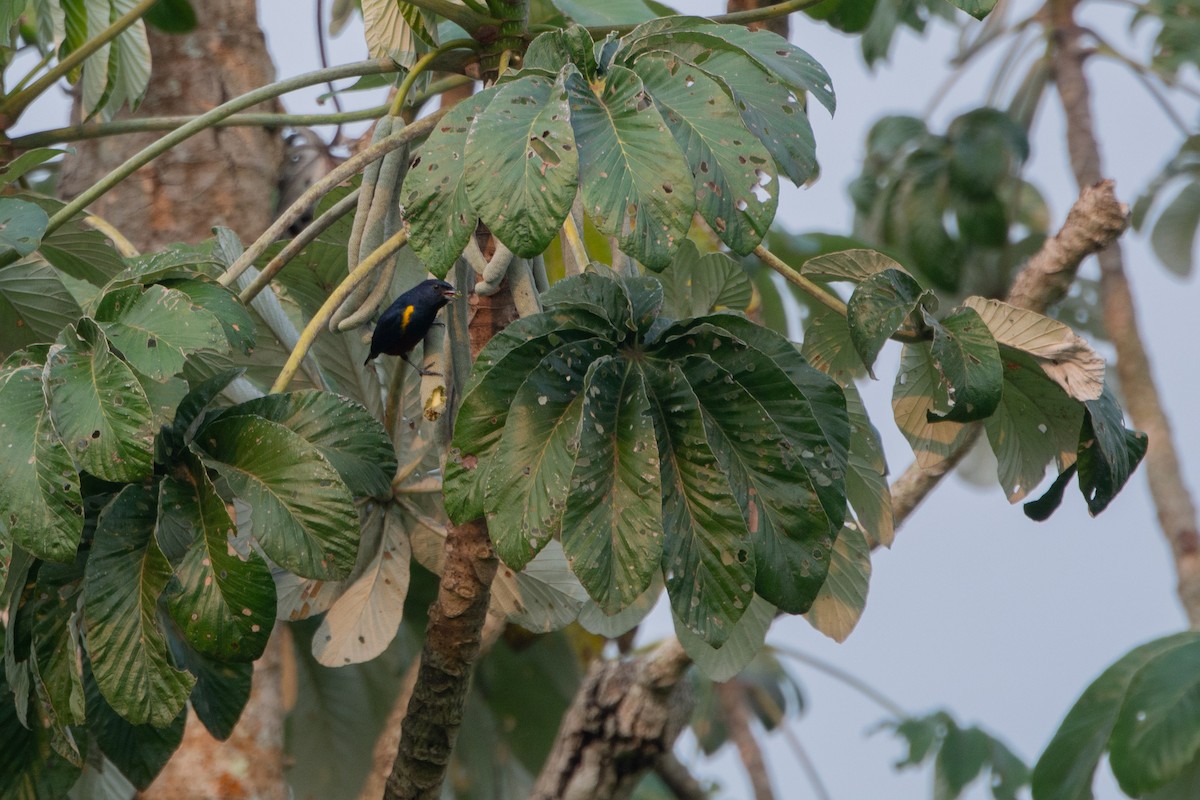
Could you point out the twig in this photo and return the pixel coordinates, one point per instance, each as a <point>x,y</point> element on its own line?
<point>732,697</point>
<point>806,763</point>
<point>809,287</point>
<point>840,675</point>
<point>677,778</point>
<point>419,68</point>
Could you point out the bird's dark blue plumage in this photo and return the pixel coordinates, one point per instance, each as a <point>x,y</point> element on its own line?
<point>406,321</point>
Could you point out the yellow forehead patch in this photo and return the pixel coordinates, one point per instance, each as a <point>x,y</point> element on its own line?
<point>408,312</point>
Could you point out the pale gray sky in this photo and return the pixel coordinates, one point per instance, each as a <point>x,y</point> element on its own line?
<point>1001,620</point>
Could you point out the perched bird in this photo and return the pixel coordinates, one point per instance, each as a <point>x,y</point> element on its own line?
<point>407,320</point>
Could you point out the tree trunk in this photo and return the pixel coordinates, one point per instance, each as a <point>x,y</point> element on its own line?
<point>222,176</point>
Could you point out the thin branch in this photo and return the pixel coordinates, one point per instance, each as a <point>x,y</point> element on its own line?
<point>341,172</point>
<point>421,66</point>
<point>323,53</point>
<point>734,18</point>
<point>301,240</point>
<point>678,779</point>
<point>14,104</point>
<point>1172,500</point>
<point>152,151</point>
<point>806,762</point>
<point>809,287</point>
<point>467,19</point>
<point>732,697</point>
<point>840,675</point>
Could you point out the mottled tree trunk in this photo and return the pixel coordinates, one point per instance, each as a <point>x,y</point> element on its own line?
<point>228,177</point>
<point>222,176</point>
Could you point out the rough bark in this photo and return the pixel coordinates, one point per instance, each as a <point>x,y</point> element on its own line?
<point>1172,500</point>
<point>623,720</point>
<point>452,642</point>
<point>223,176</point>
<point>732,696</point>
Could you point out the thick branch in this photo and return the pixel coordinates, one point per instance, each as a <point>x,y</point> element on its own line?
<point>624,718</point>
<point>732,696</point>
<point>1173,502</point>
<point>452,642</point>
<point>1095,221</point>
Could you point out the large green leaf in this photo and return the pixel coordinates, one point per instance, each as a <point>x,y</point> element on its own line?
<point>21,227</point>
<point>34,305</point>
<point>157,329</point>
<point>1066,769</point>
<point>530,475</point>
<point>1034,424</point>
<point>828,346</point>
<point>545,596</point>
<point>917,394</point>
<point>596,293</point>
<point>56,652</point>
<point>352,440</point>
<point>233,316</point>
<point>552,50</point>
<point>637,186</point>
<point>222,688</point>
<point>362,622</point>
<point>744,643</point>
<point>1157,732</point>
<point>708,558</point>
<point>594,620</point>
<point>843,596</point>
<point>139,751</point>
<point>40,502</point>
<point>126,574</point>
<point>301,512</point>
<point>98,406</point>
<point>522,166</point>
<point>695,285</point>
<point>439,216</point>
<point>498,372</point>
<point>737,191</point>
<point>765,439</point>
<point>879,306</point>
<point>612,527</point>
<point>968,361</point>
<point>849,265</point>
<point>225,605</point>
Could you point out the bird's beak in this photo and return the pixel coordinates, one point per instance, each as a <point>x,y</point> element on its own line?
<point>451,293</point>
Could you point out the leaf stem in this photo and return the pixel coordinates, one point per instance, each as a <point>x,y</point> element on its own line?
<point>466,18</point>
<point>423,64</point>
<point>204,121</point>
<point>16,103</point>
<point>38,67</point>
<point>331,179</point>
<point>808,286</point>
<point>838,674</point>
<point>301,240</point>
<point>335,299</point>
<point>575,242</point>
<point>733,18</point>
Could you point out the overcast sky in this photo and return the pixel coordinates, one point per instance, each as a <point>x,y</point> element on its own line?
<point>976,609</point>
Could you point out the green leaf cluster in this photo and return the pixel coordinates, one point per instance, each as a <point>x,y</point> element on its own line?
<point>1142,711</point>
<point>960,756</point>
<point>952,206</point>
<point>141,515</point>
<point>682,115</point>
<point>1173,221</point>
<point>705,449</point>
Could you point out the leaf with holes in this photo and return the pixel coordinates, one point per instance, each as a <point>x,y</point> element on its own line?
<point>530,477</point>
<point>1060,352</point>
<point>612,527</point>
<point>708,558</point>
<point>99,408</point>
<point>737,191</point>
<point>439,216</point>
<point>225,605</point>
<point>301,512</point>
<point>157,329</point>
<point>40,503</point>
<point>918,392</point>
<point>968,362</point>
<point>552,50</point>
<point>522,168</point>
<point>878,308</point>
<point>637,186</point>
<point>126,574</point>
<point>849,265</point>
<point>1034,424</point>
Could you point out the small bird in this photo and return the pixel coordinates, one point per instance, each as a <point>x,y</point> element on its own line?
<point>408,319</point>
